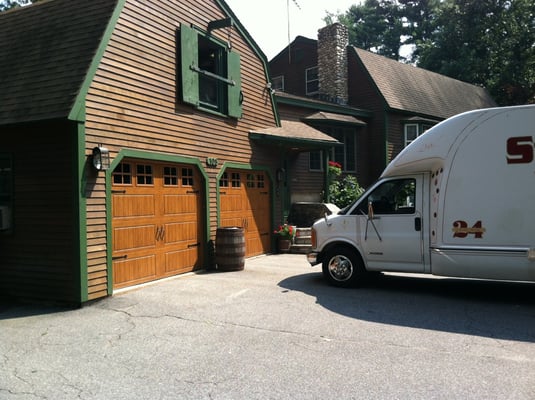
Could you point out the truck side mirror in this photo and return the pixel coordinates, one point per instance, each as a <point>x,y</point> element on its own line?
<point>370,210</point>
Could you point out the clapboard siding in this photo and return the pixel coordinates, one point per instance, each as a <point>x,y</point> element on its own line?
<point>133,103</point>
<point>363,93</point>
<point>38,261</point>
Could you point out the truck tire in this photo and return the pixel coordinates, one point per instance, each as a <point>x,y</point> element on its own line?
<point>342,267</point>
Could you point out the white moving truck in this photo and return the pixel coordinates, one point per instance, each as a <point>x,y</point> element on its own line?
<point>459,201</point>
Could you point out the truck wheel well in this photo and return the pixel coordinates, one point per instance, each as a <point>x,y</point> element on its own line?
<point>340,245</point>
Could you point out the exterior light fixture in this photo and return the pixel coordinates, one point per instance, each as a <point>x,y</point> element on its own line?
<point>101,158</point>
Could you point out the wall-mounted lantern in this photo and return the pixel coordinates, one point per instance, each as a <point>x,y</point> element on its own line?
<point>101,158</point>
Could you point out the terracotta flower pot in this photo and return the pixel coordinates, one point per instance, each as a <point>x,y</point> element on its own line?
<point>284,245</point>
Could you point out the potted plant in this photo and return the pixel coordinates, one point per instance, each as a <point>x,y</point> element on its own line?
<point>285,235</point>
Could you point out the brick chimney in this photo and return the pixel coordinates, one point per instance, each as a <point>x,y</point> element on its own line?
<point>332,63</point>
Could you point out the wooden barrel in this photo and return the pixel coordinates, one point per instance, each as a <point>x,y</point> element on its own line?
<point>230,248</point>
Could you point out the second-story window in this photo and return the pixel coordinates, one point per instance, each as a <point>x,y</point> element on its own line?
<point>312,81</point>
<point>210,73</point>
<point>277,83</point>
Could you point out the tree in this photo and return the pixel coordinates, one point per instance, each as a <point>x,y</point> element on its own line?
<point>7,4</point>
<point>374,25</point>
<point>490,43</point>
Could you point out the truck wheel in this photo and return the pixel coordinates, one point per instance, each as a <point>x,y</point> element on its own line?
<point>343,268</point>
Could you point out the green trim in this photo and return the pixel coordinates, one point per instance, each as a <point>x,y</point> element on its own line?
<point>240,28</point>
<point>78,109</point>
<point>145,155</point>
<point>322,106</point>
<point>80,209</point>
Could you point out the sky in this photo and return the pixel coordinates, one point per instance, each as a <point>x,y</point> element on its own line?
<point>267,20</point>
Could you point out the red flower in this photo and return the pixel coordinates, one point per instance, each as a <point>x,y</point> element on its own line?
<point>335,164</point>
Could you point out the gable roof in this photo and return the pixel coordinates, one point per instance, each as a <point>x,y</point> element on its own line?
<point>408,88</point>
<point>45,52</point>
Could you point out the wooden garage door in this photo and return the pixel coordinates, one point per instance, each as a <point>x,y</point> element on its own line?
<point>156,225</point>
<point>245,202</point>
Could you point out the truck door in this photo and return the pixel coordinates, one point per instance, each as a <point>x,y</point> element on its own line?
<point>390,225</point>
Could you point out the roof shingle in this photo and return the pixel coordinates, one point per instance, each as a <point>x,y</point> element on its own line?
<point>45,52</point>
<point>408,88</point>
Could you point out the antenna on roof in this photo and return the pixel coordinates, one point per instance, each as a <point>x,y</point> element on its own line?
<point>288,17</point>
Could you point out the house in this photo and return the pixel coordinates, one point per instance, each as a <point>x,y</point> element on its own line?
<point>131,131</point>
<point>372,104</point>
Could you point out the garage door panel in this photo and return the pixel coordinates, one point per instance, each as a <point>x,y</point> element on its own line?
<point>182,232</point>
<point>133,206</point>
<point>181,204</point>
<point>232,221</point>
<point>131,271</point>
<point>231,202</point>
<point>134,238</point>
<point>181,261</point>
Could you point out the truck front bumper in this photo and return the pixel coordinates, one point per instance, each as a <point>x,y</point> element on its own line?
<point>312,258</point>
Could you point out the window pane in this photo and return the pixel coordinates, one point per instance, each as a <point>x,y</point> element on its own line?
<point>350,146</point>
<point>144,174</point>
<point>250,180</point>
<point>223,182</point>
<point>187,177</point>
<point>235,180</point>
<point>122,174</point>
<point>277,83</point>
<point>261,183</point>
<point>315,161</point>
<point>411,133</point>
<point>170,176</point>
<point>312,82</point>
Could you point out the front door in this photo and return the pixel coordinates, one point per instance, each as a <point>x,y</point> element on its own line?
<point>390,225</point>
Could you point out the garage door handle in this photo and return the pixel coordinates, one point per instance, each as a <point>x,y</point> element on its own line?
<point>160,233</point>
<point>119,257</point>
<point>193,245</point>
<point>192,192</point>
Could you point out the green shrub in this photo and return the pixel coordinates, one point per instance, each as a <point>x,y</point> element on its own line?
<point>343,190</point>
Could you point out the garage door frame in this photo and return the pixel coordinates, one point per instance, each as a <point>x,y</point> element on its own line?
<point>247,167</point>
<point>143,155</point>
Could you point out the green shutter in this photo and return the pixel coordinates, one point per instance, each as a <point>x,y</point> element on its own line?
<point>234,91</point>
<point>189,56</point>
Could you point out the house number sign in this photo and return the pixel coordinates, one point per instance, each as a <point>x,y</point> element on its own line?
<point>212,162</point>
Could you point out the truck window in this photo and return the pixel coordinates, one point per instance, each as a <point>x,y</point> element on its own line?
<point>391,197</point>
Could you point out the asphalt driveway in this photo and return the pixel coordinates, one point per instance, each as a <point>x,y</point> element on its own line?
<point>276,331</point>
